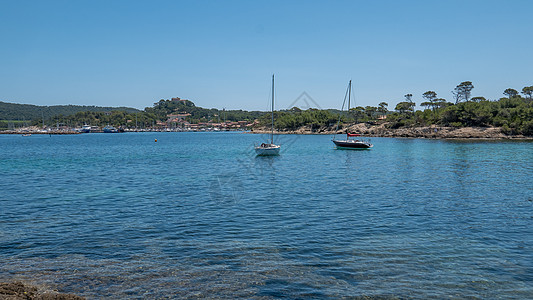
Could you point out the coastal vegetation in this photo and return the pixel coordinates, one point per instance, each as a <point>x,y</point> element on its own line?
<point>163,108</point>
<point>18,115</point>
<point>513,114</point>
<point>13,111</point>
<point>295,118</point>
<point>14,115</point>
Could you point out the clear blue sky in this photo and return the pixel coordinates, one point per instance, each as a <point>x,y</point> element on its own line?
<point>223,53</point>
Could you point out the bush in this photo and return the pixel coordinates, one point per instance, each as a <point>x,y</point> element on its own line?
<point>527,128</point>
<point>505,129</point>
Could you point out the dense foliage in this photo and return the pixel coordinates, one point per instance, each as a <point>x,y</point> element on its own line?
<point>295,118</point>
<point>513,113</point>
<point>18,115</point>
<point>12,111</point>
<point>116,118</point>
<point>198,114</point>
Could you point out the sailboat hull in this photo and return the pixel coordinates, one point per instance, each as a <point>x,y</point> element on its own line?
<point>270,150</point>
<point>352,144</point>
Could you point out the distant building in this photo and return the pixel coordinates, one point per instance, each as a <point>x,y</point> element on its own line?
<point>177,118</point>
<point>178,99</point>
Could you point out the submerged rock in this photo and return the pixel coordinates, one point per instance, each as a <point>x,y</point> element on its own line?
<point>21,291</point>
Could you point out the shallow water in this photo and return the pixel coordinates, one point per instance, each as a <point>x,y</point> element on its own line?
<point>198,215</point>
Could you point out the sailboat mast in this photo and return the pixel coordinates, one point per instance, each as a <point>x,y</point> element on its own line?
<point>272,131</point>
<point>349,94</point>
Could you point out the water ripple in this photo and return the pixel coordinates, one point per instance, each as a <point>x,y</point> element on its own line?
<point>119,216</point>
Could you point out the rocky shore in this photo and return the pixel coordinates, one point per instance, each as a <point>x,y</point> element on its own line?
<point>430,132</point>
<point>21,291</point>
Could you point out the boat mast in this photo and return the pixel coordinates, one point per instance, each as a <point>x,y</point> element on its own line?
<point>348,92</point>
<point>349,95</point>
<point>272,131</point>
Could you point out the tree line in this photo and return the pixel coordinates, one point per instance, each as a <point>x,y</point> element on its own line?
<point>14,111</point>
<point>295,118</point>
<point>163,107</point>
<point>513,113</point>
<point>22,115</point>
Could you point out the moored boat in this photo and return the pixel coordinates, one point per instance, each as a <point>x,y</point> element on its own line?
<point>269,149</point>
<point>110,129</point>
<point>352,143</point>
<point>356,143</point>
<point>86,128</point>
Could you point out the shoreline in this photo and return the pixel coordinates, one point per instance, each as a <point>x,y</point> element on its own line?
<point>429,132</point>
<point>366,130</point>
<point>39,132</point>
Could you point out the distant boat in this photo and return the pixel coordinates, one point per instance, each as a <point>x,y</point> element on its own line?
<point>86,128</point>
<point>269,148</point>
<point>110,129</point>
<point>348,143</point>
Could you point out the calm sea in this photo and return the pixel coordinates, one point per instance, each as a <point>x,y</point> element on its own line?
<point>197,215</point>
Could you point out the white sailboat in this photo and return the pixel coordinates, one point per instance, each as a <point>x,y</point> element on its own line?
<point>269,149</point>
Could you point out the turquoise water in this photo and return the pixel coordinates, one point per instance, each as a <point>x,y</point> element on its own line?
<point>198,215</point>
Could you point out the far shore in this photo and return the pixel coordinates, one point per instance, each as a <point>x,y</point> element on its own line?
<point>364,129</point>
<point>38,132</point>
<point>430,132</point>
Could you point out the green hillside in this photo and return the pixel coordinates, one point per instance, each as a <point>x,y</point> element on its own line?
<point>163,107</point>
<point>13,111</point>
